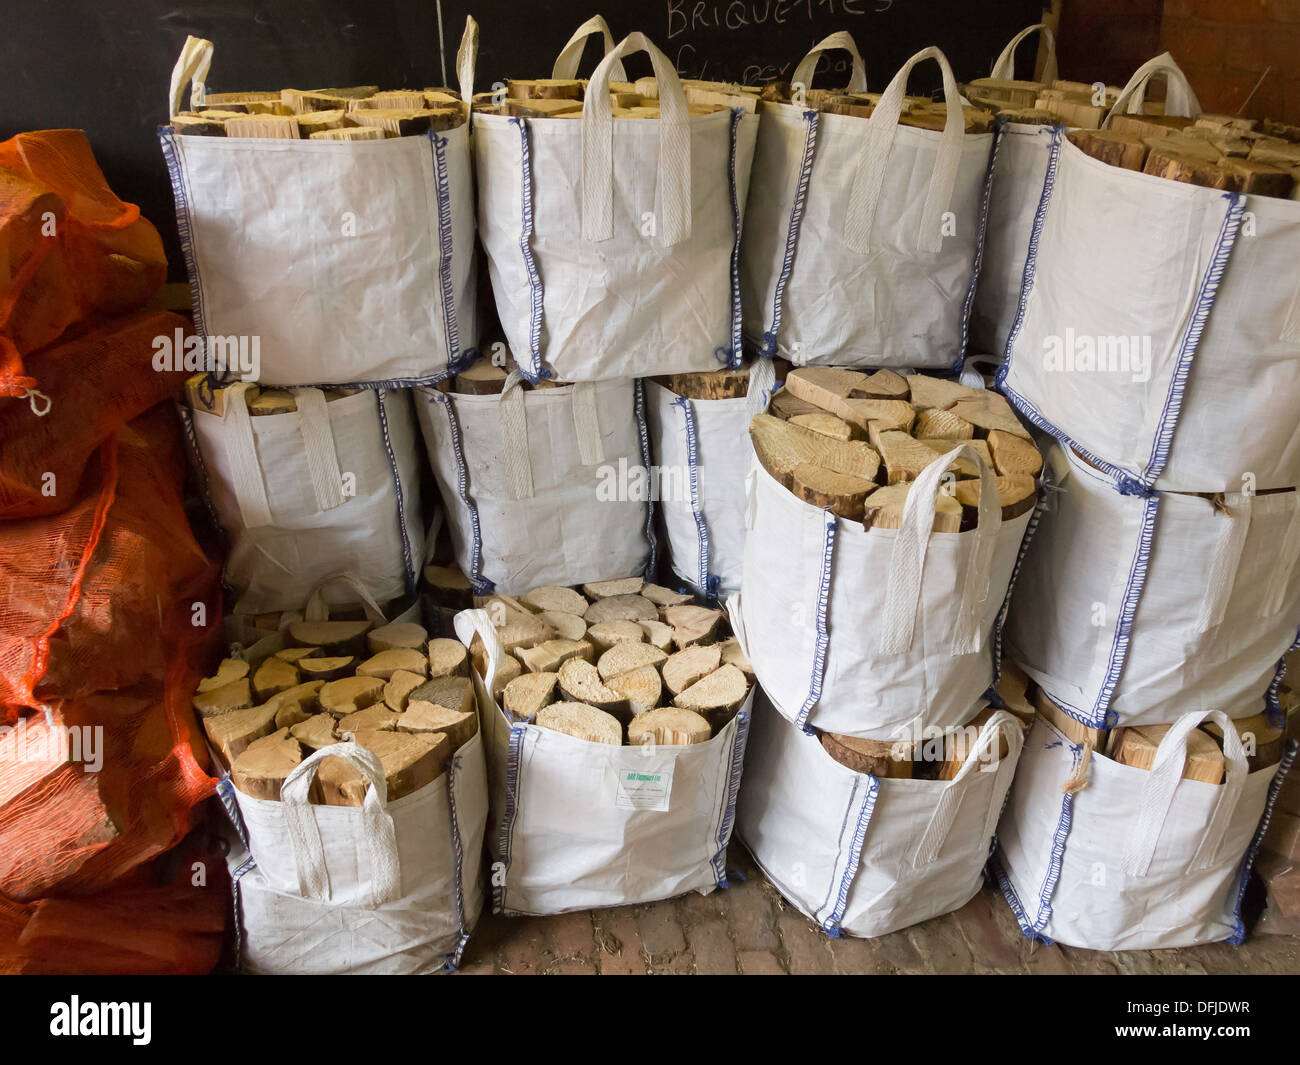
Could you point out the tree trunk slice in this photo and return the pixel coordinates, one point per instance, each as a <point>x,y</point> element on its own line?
<point>350,694</point>
<point>448,587</point>
<point>609,589</point>
<point>261,770</point>
<point>620,608</point>
<point>840,493</point>
<point>481,378</point>
<point>582,722</point>
<point>397,636</point>
<point>399,687</point>
<point>826,424</point>
<point>447,658</point>
<point>642,687</point>
<point>884,509</point>
<point>409,763</point>
<point>548,657</point>
<point>1014,454</point>
<point>606,634</point>
<point>567,626</point>
<point>717,697</point>
<point>458,726</point>
<point>717,384</point>
<point>228,672</point>
<point>327,669</point>
<point>668,726</point>
<point>551,597</point>
<point>684,668</point>
<point>781,446</point>
<point>1017,493</point>
<point>527,694</point>
<point>386,663</point>
<point>876,757</point>
<point>332,637</point>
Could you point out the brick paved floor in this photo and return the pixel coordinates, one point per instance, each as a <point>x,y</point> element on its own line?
<point>751,929</point>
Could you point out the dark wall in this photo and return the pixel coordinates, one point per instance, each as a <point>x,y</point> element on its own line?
<point>105,66</point>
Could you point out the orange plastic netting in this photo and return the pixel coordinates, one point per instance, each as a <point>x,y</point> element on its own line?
<point>69,248</point>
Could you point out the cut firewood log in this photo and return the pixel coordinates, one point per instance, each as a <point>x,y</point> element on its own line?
<point>507,670</point>
<point>482,377</point>
<point>1149,125</point>
<point>1176,163</point>
<point>827,425</point>
<point>276,127</point>
<point>352,133</point>
<point>378,716</point>
<point>1074,731</point>
<point>1017,493</point>
<point>390,99</point>
<point>519,632</point>
<point>397,636</point>
<point>692,624</point>
<point>1014,454</point>
<point>543,108</point>
<point>884,509</point>
<point>297,654</point>
<point>935,392</point>
<point>840,493</point>
<point>551,597</point>
<point>717,697</point>
<point>1007,90</point>
<point>988,412</point>
<point>231,733</point>
<point>326,669</point>
<point>350,694</point>
<point>580,682</point>
<point>684,668</point>
<point>304,697</point>
<point>229,697</point>
<point>408,123</point>
<point>549,656</point>
<point>1013,687</point>
<point>626,656</point>
<point>605,634</point>
<point>715,384</point>
<point>609,589</point>
<point>1136,746</point>
<point>399,687</point>
<point>447,658</point>
<point>544,89</point>
<point>904,457</point>
<point>935,424</point>
<point>386,663</point>
<point>334,638</point>
<point>781,446</point>
<point>273,676</point>
<point>458,726</point>
<point>787,405</point>
<point>527,694</point>
<point>1259,178</point>
<point>879,758</point>
<point>657,633</point>
<point>260,770</point>
<point>454,693</point>
<point>447,587</point>
<point>661,596</point>
<point>964,467</point>
<point>230,670</point>
<point>620,608</point>
<point>668,726</point>
<point>1112,147</point>
<point>582,722</point>
<point>409,763</point>
<point>1263,741</point>
<point>198,125</point>
<point>567,626</point>
<point>959,744</point>
<point>642,688</point>
<point>733,655</point>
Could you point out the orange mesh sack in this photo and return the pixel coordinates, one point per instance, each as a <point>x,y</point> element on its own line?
<point>95,380</point>
<point>68,247</point>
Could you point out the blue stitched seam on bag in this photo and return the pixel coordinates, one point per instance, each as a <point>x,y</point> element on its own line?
<point>1191,338</point>
<point>458,850</point>
<point>530,265</point>
<point>831,926</point>
<point>994,869</point>
<point>1035,928</point>
<point>408,561</point>
<point>1248,860</point>
<point>733,790</point>
<point>979,243</point>
<point>1031,528</point>
<point>184,225</point>
<point>480,584</point>
<point>1272,703</point>
<point>768,347</point>
<point>514,767</point>
<point>639,393</point>
<point>445,246</point>
<point>735,356</point>
<point>187,423</point>
<point>692,464</point>
<point>823,634</point>
<point>858,778</point>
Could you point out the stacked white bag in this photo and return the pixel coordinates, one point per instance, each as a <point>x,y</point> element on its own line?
<point>565,836</point>
<point>351,262</point>
<point>863,236</point>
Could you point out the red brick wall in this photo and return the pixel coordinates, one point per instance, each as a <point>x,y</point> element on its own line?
<point>1224,46</point>
<point>1106,40</point>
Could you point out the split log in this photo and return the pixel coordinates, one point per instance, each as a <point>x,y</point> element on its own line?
<point>389,100</point>
<point>544,89</point>
<point>717,697</point>
<point>662,596</point>
<point>1013,687</point>
<point>399,687</point>
<point>260,771</point>
<point>1259,178</point>
<point>224,700</point>
<point>879,758</point>
<point>626,656</point>
<point>192,125</point>
<point>297,703</point>
<point>1009,91</point>
<point>1017,493</point>
<point>334,638</point>
<point>935,392</point>
<point>657,633</point>
<point>448,587</point>
<point>408,123</point>
<point>397,636</point>
<point>508,669</point>
<point>297,654</point>
<point>840,493</point>
<point>936,424</point>
<point>786,405</point>
<point>1263,741</point>
<point>1112,147</point>
<point>482,377</point>
<point>454,693</point>
<point>582,722</point>
<point>904,457</point>
<point>1136,746</point>
<point>1072,730</point>
<point>567,626</point>
<point>692,624</point>
<point>386,663</point>
<point>458,726</point>
<point>548,657</point>
<point>1191,168</point>
<point>409,763</point>
<point>580,682</point>
<point>884,509</point>
<point>606,634</point>
<point>327,669</point>
<point>447,658</point>
<point>641,688</point>
<point>620,608</point>
<point>715,384</point>
<point>550,597</point>
<point>733,655</point>
<point>989,411</point>
<point>273,676</point>
<point>352,133</point>
<point>350,694</point>
<point>231,733</point>
<point>1014,454</point>
<point>668,726</point>
<point>826,424</point>
<point>608,589</point>
<point>684,668</point>
<point>378,717</point>
<point>960,743</point>
<point>230,671</point>
<point>527,694</point>
<point>543,108</point>
<point>781,446</point>
<point>274,127</point>
<point>1149,125</point>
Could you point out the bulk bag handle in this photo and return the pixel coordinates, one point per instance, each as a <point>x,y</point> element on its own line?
<point>839,41</point>
<point>566,64</point>
<point>245,466</point>
<point>762,382</point>
<point>1161,786</point>
<point>376,828</point>
<point>1005,65</point>
<point>936,832</point>
<point>1180,98</point>
<point>466,57</point>
<point>191,66</point>
<point>514,432</point>
<point>673,195</point>
<point>317,609</point>
<point>475,622</point>
<point>907,563</point>
<point>873,160</point>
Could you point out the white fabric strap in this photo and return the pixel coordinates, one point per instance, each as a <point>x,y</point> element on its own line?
<point>376,828</point>
<point>514,438</point>
<point>907,562</point>
<point>466,57</point>
<point>762,382</point>
<point>873,161</point>
<point>241,452</point>
<point>673,187</point>
<point>566,64</point>
<point>476,622</point>
<point>1230,529</point>
<point>1180,99</point>
<point>1291,324</point>
<point>318,446</point>
<point>191,68</point>
<point>936,832</point>
<point>1005,66</point>
<point>751,494</point>
<point>1161,785</point>
<point>841,40</point>
<point>318,609</point>
<point>1277,596</point>
<point>737,618</point>
<point>586,423</point>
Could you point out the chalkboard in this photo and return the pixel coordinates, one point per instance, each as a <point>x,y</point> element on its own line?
<point>104,65</point>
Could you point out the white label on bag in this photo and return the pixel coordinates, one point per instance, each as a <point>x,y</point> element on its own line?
<point>638,790</point>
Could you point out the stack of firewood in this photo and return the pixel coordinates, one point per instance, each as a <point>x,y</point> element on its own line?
<point>918,111</point>
<point>564,97</point>
<point>390,689</point>
<point>853,443</point>
<point>352,114</point>
<point>1035,103</point>
<point>621,661</point>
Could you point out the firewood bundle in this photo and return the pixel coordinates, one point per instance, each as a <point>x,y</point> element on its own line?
<point>201,394</point>
<point>564,97</point>
<point>616,662</point>
<point>918,111</point>
<point>358,113</point>
<point>1035,103</point>
<point>389,688</point>
<point>486,376</point>
<point>853,442</point>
